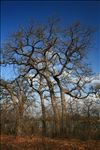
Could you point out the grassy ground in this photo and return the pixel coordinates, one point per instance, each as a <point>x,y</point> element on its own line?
<point>40,143</point>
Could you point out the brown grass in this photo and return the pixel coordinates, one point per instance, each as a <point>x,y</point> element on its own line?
<point>40,143</point>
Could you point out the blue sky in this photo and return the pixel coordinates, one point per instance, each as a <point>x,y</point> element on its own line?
<point>16,13</point>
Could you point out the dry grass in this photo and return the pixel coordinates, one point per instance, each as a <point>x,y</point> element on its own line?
<point>40,143</point>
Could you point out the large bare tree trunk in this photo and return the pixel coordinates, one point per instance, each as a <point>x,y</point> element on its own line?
<point>63,106</point>
<point>43,115</point>
<point>20,111</point>
<point>55,107</point>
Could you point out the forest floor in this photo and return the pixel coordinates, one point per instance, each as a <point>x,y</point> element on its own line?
<point>40,143</point>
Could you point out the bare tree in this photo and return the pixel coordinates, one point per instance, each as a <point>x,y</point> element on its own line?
<point>56,56</point>
<point>17,100</point>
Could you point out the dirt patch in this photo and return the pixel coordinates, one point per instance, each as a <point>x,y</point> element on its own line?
<point>40,143</point>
